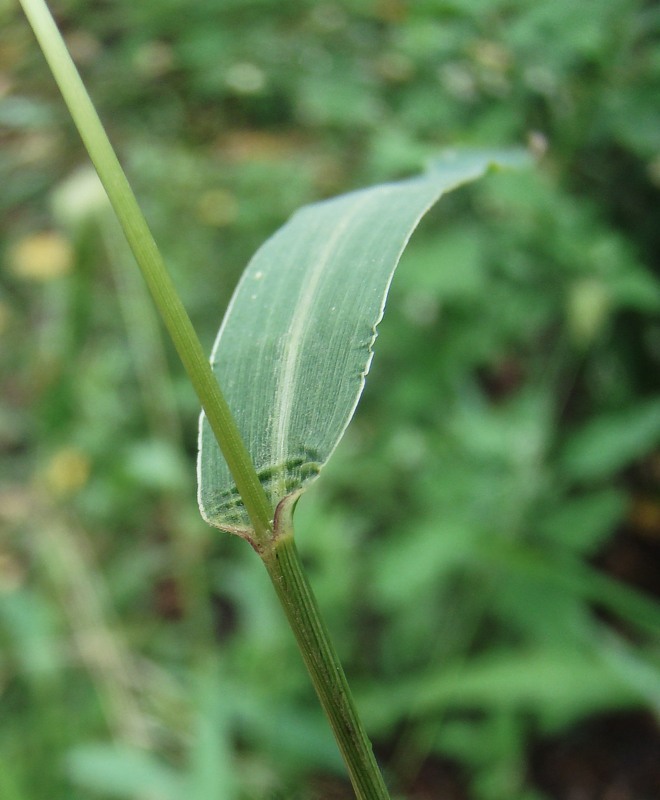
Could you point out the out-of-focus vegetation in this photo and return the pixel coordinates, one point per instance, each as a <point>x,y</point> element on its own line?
<point>485,543</point>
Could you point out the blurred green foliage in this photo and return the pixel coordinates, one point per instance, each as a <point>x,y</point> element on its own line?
<point>484,541</point>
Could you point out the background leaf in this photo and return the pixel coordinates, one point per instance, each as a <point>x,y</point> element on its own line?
<point>609,442</point>
<point>122,772</point>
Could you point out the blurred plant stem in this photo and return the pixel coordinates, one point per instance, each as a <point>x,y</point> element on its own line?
<point>67,558</point>
<point>277,551</point>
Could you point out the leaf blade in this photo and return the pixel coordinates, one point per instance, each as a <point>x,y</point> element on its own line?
<point>297,340</point>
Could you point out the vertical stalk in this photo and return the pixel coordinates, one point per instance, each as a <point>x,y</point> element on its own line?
<point>297,598</point>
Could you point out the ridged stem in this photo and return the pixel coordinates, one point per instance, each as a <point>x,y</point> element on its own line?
<point>297,598</point>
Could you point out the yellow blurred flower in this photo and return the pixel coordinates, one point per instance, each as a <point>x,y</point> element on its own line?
<point>67,471</point>
<point>41,256</point>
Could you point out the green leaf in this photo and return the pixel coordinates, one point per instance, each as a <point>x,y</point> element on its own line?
<point>210,758</point>
<point>120,771</point>
<point>556,685</point>
<point>610,442</point>
<point>297,340</point>
<point>582,523</point>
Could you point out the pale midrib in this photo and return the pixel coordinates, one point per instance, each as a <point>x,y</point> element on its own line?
<point>286,390</point>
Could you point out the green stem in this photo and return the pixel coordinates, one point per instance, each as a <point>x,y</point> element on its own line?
<point>151,264</point>
<point>297,598</point>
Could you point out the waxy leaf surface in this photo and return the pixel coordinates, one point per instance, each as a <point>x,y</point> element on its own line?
<point>297,340</point>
